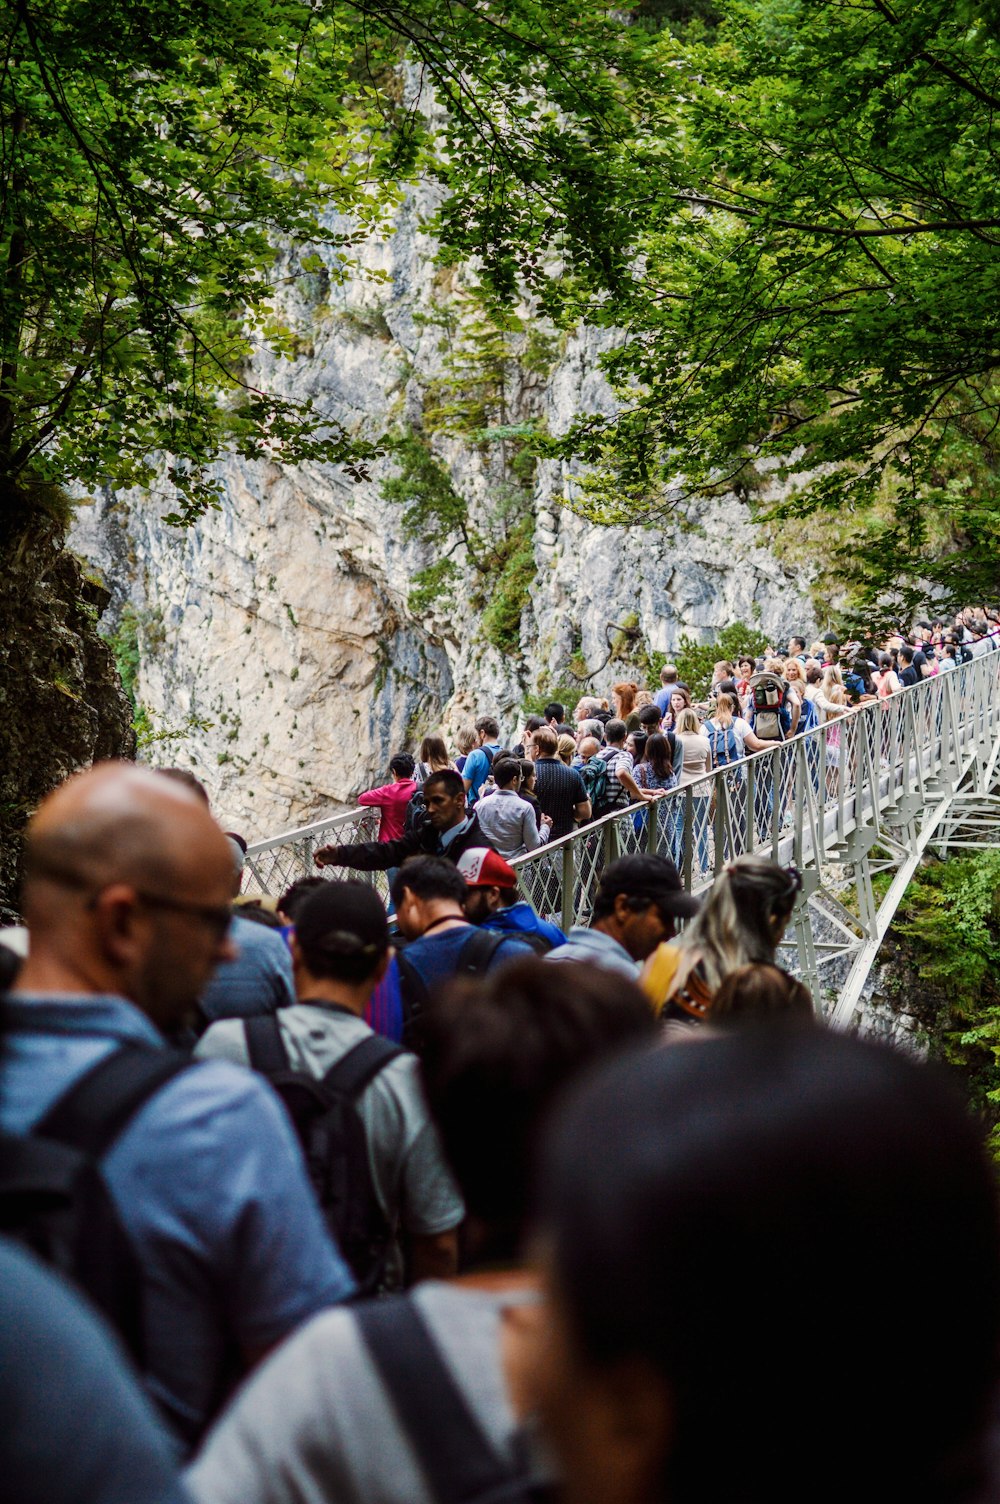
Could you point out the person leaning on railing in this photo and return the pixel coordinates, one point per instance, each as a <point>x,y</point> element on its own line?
<point>445,829</point>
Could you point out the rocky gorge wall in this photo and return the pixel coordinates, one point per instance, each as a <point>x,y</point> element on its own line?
<point>278,639</point>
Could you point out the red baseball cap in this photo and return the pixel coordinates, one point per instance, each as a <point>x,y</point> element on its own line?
<point>484,868</point>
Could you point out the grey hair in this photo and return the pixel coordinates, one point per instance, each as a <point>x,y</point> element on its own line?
<point>735,925</point>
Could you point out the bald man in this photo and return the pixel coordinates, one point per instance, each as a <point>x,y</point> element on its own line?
<point>127,899</point>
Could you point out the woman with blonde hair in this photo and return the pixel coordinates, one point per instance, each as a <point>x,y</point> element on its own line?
<point>696,761</point>
<point>740,923</point>
<point>466,741</point>
<point>566,749</point>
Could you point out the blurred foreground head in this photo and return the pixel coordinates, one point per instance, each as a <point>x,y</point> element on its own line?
<point>127,890</point>
<point>498,1052</point>
<point>775,1270</point>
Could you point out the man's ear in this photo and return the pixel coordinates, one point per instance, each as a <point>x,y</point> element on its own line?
<point>116,916</point>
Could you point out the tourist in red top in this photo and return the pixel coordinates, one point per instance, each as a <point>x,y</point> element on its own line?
<point>392,798</point>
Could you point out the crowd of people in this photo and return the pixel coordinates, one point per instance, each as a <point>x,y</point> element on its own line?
<point>427,1202</point>
<point>562,769</point>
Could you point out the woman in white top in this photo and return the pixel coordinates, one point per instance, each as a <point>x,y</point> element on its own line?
<point>697,753</point>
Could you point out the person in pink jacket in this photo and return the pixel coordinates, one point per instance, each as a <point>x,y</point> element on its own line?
<point>392,798</point>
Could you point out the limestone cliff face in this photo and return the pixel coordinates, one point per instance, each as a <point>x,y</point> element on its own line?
<point>277,635</point>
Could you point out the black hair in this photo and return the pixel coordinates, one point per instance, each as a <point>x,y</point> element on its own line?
<point>691,1199</point>
<point>907,654</point>
<point>534,722</point>
<point>342,931</point>
<point>429,877</point>
<point>554,711</point>
<point>728,687</point>
<point>496,1053</point>
<point>403,764</point>
<point>863,669</point>
<point>639,740</point>
<point>658,755</point>
<point>643,879</point>
<point>652,715</point>
<point>257,914</point>
<point>448,780</point>
<point>297,893</point>
<point>505,770</point>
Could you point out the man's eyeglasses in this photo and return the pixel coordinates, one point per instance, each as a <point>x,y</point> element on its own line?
<point>215,917</point>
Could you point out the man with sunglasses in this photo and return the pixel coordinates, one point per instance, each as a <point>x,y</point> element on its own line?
<point>128,883</point>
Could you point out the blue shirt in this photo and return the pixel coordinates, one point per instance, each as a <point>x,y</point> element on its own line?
<point>77,1427</point>
<point>210,1185</point>
<point>477,769</point>
<point>595,948</point>
<point>435,956</point>
<point>257,980</point>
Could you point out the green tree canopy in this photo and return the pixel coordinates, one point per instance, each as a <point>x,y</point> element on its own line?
<point>164,163</point>
<point>813,202</point>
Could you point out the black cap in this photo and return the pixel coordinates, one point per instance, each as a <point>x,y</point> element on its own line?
<point>651,877</point>
<point>342,920</point>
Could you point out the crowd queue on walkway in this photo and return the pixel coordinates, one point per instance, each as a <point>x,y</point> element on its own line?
<point>428,1202</point>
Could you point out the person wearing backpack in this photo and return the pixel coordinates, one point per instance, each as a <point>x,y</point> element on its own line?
<point>355,1098</point>
<point>480,760</point>
<point>422,1398</point>
<point>429,894</point>
<point>182,1203</point>
<point>493,903</point>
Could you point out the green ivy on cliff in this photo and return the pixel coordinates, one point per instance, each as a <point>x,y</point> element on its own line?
<point>944,955</point>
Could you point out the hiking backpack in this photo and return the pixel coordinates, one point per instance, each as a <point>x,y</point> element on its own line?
<point>772,718</point>
<point>458,1460</point>
<point>596,777</point>
<point>473,959</point>
<point>54,1199</point>
<point>324,1113</point>
<point>725,743</point>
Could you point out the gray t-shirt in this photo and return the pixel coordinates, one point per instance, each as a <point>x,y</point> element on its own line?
<point>315,1425</point>
<point>414,1186</point>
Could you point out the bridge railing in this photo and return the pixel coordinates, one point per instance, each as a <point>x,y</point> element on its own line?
<point>272,866</point>
<point>808,800</point>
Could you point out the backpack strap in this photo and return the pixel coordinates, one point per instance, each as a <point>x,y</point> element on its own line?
<point>478,951</point>
<point>265,1046</point>
<point>458,1460</point>
<point>99,1106</point>
<point>360,1065</point>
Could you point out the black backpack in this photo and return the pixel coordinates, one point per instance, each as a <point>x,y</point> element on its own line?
<point>53,1196</point>
<point>473,959</point>
<point>325,1116</point>
<point>458,1460</point>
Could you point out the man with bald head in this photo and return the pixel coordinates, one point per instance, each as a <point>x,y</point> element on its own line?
<point>128,884</point>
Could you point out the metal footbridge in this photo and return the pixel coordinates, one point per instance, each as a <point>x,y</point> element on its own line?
<point>866,794</point>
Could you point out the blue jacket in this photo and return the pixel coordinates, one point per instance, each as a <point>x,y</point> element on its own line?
<point>521,919</point>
